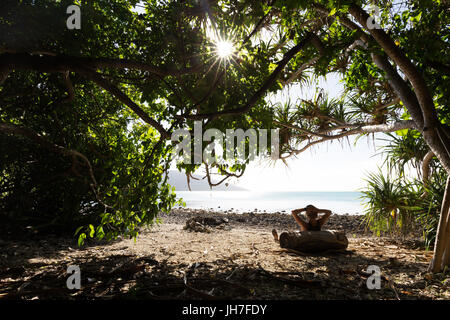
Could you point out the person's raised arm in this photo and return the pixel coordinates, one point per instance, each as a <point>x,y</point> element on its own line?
<point>297,211</point>
<point>325,217</point>
<point>303,225</point>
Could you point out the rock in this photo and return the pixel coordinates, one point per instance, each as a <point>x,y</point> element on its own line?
<point>192,225</point>
<point>204,224</point>
<point>278,219</point>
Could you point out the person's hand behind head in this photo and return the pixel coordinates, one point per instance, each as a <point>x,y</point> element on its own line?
<point>312,215</point>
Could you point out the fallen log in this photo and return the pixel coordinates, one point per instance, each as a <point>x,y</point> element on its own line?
<point>314,241</point>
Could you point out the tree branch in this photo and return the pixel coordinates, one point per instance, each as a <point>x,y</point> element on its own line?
<point>438,66</point>
<point>343,20</point>
<point>400,86</point>
<point>361,128</point>
<point>426,168</point>
<point>438,138</point>
<point>353,129</point>
<point>122,97</point>
<point>257,27</point>
<point>399,125</point>
<point>61,63</point>
<point>222,172</point>
<point>398,56</point>
<point>257,96</point>
<point>327,138</point>
<point>297,73</point>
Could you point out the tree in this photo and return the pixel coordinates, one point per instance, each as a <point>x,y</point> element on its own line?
<point>411,191</point>
<point>395,72</point>
<point>161,66</point>
<point>86,113</point>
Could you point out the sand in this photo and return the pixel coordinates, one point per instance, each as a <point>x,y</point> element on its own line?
<point>237,259</point>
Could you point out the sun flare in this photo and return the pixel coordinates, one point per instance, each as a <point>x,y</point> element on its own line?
<point>224,48</point>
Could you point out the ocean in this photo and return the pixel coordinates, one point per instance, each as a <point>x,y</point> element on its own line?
<point>276,201</point>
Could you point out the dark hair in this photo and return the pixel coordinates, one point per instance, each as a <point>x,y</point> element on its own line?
<point>310,206</point>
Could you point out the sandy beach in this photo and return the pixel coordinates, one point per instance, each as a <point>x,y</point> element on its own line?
<point>234,257</point>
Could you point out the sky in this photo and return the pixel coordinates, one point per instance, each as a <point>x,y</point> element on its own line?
<point>332,166</point>
<point>328,167</point>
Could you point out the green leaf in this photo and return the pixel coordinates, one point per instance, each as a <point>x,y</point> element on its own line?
<point>78,230</point>
<point>81,239</point>
<point>92,231</point>
<point>100,232</point>
<point>403,132</point>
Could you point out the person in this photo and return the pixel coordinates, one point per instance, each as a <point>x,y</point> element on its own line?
<point>314,222</point>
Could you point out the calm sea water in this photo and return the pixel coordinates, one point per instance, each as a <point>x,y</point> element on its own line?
<point>244,201</point>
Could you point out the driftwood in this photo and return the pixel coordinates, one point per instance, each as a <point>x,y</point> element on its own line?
<point>314,241</point>
<point>206,224</point>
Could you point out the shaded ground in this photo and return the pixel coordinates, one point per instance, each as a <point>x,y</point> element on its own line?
<point>234,259</point>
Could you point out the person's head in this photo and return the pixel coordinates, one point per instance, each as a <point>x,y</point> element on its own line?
<point>311,212</point>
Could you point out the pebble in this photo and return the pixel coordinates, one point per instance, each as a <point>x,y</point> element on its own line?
<point>278,220</point>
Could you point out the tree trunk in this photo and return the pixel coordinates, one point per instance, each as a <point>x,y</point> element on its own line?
<point>426,168</point>
<point>421,107</point>
<point>446,256</point>
<point>441,256</point>
<point>314,241</point>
